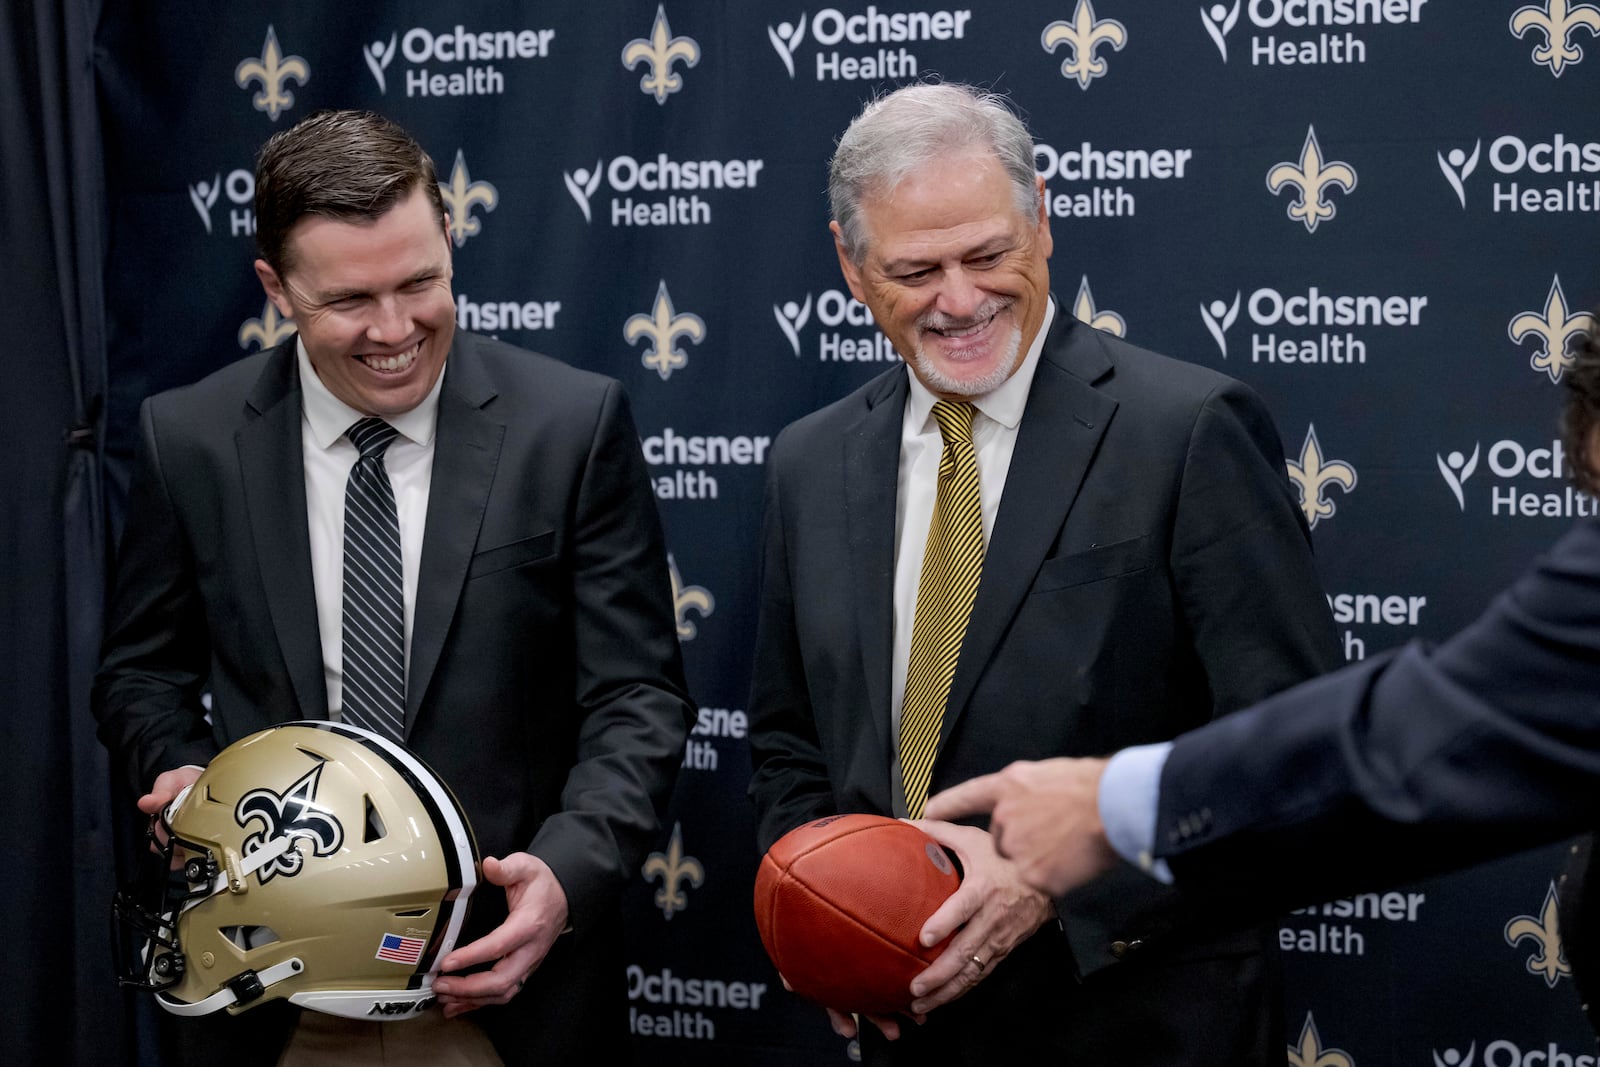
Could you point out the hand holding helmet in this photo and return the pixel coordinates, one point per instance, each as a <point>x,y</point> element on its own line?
<point>321,864</point>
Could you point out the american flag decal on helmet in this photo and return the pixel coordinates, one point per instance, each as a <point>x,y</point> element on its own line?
<point>397,949</point>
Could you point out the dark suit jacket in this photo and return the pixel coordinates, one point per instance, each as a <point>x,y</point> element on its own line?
<point>1149,569</point>
<point>545,684</point>
<point>1408,764</point>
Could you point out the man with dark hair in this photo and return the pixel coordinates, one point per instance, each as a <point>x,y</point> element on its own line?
<point>1411,763</point>
<point>517,633</point>
<point>1033,539</point>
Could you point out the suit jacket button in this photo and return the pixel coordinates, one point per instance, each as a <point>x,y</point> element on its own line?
<point>1119,949</point>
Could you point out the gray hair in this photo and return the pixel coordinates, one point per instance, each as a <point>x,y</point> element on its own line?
<point>903,130</point>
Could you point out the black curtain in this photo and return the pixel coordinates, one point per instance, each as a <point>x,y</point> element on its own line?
<point>55,793</point>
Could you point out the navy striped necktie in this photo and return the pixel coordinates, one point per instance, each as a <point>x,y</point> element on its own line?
<point>374,670</point>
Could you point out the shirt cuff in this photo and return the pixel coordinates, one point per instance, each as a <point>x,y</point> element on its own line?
<point>1130,790</point>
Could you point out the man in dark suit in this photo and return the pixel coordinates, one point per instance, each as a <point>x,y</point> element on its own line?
<point>1409,764</point>
<point>541,678</point>
<point>1142,566</point>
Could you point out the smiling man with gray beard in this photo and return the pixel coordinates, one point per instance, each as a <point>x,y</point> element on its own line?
<point>1033,540</point>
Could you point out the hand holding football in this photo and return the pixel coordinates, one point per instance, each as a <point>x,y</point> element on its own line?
<point>840,902</point>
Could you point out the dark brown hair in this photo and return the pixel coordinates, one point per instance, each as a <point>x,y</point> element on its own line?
<point>352,165</point>
<point>1582,413</point>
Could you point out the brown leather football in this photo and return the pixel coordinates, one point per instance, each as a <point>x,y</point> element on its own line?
<point>840,902</point>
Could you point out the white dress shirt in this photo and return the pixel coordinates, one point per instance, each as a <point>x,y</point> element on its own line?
<point>329,456</point>
<point>994,438</point>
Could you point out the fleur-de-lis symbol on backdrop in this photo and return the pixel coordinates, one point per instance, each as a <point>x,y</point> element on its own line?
<point>1312,176</point>
<point>685,597</point>
<point>1555,327</point>
<point>662,327</point>
<point>1310,1053</point>
<point>1556,20</point>
<point>1313,474</point>
<point>660,52</point>
<point>266,331</point>
<point>1549,957</point>
<point>1082,36</point>
<point>459,197</point>
<point>294,814</point>
<point>1084,311</point>
<point>272,70</point>
<point>674,869</point>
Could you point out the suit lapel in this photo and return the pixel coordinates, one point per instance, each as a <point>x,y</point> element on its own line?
<point>272,470</point>
<point>465,452</point>
<point>1061,428</point>
<point>871,455</point>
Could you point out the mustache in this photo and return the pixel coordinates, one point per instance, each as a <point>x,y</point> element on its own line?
<point>938,320</point>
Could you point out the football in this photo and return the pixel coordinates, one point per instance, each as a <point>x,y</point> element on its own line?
<point>839,904</point>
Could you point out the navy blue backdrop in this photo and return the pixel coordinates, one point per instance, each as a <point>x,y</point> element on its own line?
<point>1381,214</point>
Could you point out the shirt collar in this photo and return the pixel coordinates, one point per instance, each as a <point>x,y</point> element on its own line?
<point>1003,405</point>
<point>329,417</point>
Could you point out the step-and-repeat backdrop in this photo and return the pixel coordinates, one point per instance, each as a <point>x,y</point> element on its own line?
<point>1381,214</point>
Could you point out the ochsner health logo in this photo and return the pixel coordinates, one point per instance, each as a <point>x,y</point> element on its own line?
<point>1219,20</point>
<point>1219,317</point>
<point>455,62</point>
<point>849,333</point>
<point>1503,1053</point>
<point>1451,1057</point>
<point>1523,474</point>
<point>240,188</point>
<point>785,38</point>
<point>1553,176</point>
<point>854,45</point>
<point>1457,166</point>
<point>1307,32</point>
<point>1456,469</point>
<point>663,191</point>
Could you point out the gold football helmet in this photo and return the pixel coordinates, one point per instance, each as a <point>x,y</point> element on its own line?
<point>314,862</point>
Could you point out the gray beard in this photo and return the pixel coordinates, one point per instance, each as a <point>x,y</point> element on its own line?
<point>939,382</point>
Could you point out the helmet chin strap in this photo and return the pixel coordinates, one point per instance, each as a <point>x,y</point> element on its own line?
<point>229,994</point>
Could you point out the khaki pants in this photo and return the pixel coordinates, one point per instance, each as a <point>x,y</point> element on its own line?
<point>428,1040</point>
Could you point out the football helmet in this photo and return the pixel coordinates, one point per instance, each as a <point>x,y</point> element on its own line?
<point>313,861</point>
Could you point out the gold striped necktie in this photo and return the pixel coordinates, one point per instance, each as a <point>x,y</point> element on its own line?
<point>951,566</point>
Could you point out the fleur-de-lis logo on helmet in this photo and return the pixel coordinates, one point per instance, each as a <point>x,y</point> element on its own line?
<point>685,597</point>
<point>460,195</point>
<point>660,51</point>
<point>1312,476</point>
<point>1549,957</point>
<point>1082,36</point>
<point>1555,328</point>
<point>674,869</point>
<point>1557,20</point>
<point>1084,311</point>
<point>273,70</point>
<point>293,814</point>
<point>1311,1053</point>
<point>662,327</point>
<point>1312,177</point>
<point>267,330</point>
